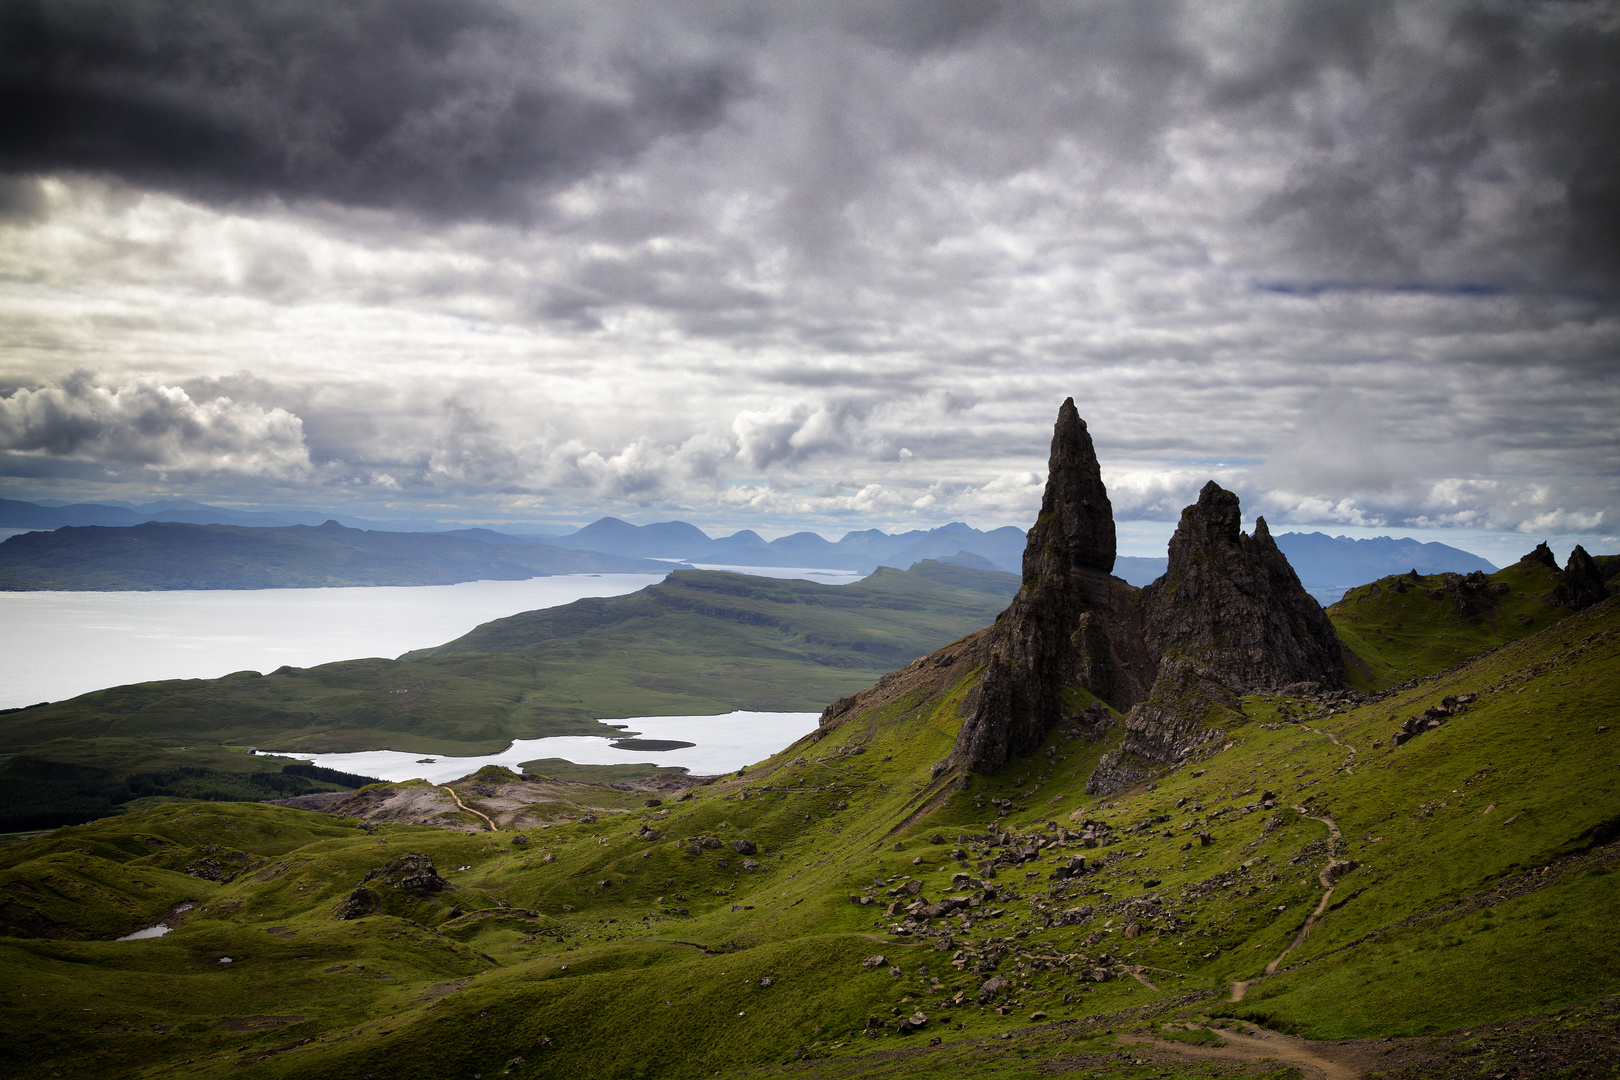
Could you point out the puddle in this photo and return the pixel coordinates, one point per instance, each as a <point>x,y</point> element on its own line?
<point>177,914</point>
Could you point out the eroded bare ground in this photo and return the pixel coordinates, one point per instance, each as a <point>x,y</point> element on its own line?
<point>470,803</point>
<point>1576,1044</point>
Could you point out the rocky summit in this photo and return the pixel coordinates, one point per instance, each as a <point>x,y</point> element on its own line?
<point>1228,618</point>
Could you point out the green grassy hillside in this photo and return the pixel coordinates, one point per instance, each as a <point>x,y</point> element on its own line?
<point>1470,871</point>
<point>70,781</point>
<point>1406,626</point>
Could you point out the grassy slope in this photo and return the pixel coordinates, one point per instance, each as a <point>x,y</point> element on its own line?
<point>1395,635</point>
<point>699,643</point>
<point>624,986</point>
<point>170,555</point>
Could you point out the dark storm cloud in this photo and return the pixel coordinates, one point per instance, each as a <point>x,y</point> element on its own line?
<point>1418,138</point>
<point>451,107</point>
<point>1439,104</point>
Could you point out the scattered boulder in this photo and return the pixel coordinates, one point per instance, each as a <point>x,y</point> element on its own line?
<point>211,870</point>
<point>359,903</point>
<point>991,987</point>
<point>413,872</point>
<point>744,847</point>
<point>875,961</point>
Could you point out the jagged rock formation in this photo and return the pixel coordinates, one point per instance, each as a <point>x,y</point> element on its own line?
<point>1581,583</point>
<point>1542,554</point>
<point>1229,617</point>
<point>1071,622</point>
<point>1231,606</point>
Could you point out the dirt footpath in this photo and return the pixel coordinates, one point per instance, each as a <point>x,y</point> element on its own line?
<point>1349,1059</point>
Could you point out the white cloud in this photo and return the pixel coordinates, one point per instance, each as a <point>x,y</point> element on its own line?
<point>147,423</point>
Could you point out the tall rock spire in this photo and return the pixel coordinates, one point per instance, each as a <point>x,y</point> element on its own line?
<point>1071,623</point>
<point>1076,525</point>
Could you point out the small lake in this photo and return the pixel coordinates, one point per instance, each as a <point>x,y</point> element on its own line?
<point>56,645</point>
<point>722,743</point>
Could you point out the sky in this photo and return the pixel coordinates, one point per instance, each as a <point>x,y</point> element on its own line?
<point>824,265</point>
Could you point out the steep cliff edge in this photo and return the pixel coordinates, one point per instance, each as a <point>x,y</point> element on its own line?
<point>1071,623</point>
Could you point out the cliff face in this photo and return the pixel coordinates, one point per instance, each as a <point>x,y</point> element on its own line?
<point>1580,584</point>
<point>1071,622</point>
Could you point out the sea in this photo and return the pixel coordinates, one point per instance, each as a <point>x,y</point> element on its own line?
<point>56,645</point>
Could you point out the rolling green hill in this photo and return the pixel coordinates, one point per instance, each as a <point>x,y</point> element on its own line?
<point>1442,908</point>
<point>1407,625</point>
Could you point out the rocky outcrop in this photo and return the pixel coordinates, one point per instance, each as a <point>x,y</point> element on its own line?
<point>1541,554</point>
<point>410,873</point>
<point>1580,584</point>
<point>1071,622</point>
<point>1230,608</point>
<point>1229,617</point>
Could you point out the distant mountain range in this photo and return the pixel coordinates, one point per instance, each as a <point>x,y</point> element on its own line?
<point>863,551</point>
<point>1327,565</point>
<point>174,555</point>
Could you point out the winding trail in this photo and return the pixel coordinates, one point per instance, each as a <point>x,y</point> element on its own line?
<point>468,809</point>
<point>1328,885</point>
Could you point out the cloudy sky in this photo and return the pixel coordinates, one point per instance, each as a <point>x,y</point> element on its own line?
<point>829,264</point>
